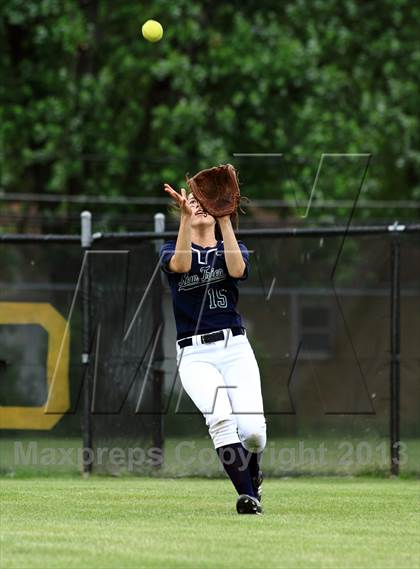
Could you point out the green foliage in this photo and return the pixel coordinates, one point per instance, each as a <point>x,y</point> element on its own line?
<point>88,106</point>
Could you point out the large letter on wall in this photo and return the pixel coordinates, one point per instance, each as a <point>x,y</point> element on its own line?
<point>58,398</point>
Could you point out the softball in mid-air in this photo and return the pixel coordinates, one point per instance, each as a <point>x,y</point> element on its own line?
<point>152,31</point>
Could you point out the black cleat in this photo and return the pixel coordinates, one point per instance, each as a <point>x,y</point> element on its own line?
<point>257,485</point>
<point>248,505</point>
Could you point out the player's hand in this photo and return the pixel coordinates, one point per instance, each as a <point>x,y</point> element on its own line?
<point>180,199</point>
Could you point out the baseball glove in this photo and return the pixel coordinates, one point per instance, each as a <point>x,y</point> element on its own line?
<point>217,190</point>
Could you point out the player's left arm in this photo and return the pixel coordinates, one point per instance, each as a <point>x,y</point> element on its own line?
<point>233,254</point>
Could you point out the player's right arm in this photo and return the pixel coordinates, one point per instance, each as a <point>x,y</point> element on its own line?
<point>181,260</point>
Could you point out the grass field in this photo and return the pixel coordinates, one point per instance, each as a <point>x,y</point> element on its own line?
<point>147,522</point>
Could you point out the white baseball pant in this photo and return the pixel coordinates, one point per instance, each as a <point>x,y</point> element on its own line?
<point>223,380</point>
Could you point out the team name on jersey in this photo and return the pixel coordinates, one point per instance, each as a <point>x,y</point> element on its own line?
<point>209,275</point>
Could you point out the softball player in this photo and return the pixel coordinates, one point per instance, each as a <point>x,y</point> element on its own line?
<point>216,363</point>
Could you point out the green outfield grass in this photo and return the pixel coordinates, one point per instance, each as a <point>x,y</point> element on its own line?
<point>145,522</point>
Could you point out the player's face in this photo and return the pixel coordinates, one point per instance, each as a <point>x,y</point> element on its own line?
<point>199,216</point>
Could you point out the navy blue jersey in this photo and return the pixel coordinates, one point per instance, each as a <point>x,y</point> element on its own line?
<point>205,298</point>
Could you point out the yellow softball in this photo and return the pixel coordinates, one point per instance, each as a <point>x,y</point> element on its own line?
<point>152,30</point>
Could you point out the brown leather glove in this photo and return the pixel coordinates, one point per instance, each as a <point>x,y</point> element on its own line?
<point>217,190</point>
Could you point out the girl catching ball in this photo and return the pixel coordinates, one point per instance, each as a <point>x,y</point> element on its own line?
<point>215,360</point>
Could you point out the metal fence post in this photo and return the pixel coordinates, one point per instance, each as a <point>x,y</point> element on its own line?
<point>86,242</point>
<point>158,372</point>
<point>394,416</point>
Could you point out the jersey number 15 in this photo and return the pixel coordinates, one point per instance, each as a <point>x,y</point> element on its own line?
<point>217,298</point>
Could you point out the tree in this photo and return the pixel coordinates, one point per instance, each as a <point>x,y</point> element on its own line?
<point>88,106</point>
